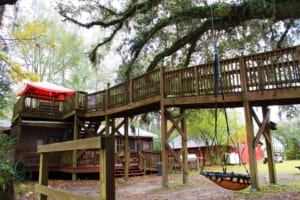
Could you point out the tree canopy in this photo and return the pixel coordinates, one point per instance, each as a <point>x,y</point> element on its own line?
<point>155,33</point>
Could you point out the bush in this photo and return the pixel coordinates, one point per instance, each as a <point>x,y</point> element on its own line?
<point>6,178</point>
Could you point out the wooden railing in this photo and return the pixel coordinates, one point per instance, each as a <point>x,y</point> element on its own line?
<point>88,157</point>
<point>265,71</point>
<point>149,160</point>
<point>273,70</point>
<point>41,107</point>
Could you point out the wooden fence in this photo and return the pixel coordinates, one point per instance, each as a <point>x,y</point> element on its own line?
<point>107,185</point>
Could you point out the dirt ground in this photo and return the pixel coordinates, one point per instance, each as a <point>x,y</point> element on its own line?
<point>149,188</point>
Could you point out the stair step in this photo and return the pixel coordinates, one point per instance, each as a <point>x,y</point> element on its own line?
<point>133,170</point>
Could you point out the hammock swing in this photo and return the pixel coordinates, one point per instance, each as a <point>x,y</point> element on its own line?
<point>230,181</point>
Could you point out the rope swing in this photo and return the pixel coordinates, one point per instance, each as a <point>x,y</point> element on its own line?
<point>230,181</point>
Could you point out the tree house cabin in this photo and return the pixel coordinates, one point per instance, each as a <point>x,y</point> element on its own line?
<point>45,113</point>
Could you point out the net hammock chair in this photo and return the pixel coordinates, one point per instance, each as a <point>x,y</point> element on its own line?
<point>229,181</point>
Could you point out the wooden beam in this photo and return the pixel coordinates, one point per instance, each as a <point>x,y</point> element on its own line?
<point>43,173</point>
<point>255,117</point>
<point>126,147</point>
<point>249,127</point>
<point>176,157</point>
<point>74,153</point>
<point>175,124</point>
<point>185,175</point>
<point>89,143</point>
<point>262,128</point>
<point>269,148</point>
<point>107,171</point>
<point>117,129</point>
<point>81,124</point>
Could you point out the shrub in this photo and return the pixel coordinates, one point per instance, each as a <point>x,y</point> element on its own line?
<point>6,179</point>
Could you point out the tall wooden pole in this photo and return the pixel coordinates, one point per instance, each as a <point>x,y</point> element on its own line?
<point>126,148</point>
<point>269,147</point>
<point>107,163</point>
<point>251,148</point>
<point>75,137</point>
<point>249,128</point>
<point>185,175</point>
<point>164,150</point>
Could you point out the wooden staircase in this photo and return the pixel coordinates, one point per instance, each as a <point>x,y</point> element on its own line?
<point>133,170</point>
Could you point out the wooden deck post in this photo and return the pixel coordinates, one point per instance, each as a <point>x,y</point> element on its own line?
<point>251,148</point>
<point>249,127</point>
<point>185,175</point>
<point>43,173</point>
<point>107,164</point>
<point>126,148</point>
<point>270,153</point>
<point>164,150</point>
<point>75,137</point>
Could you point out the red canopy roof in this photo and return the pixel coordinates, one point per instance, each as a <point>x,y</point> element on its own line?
<point>46,90</point>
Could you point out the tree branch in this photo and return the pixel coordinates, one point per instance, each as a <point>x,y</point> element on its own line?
<point>279,43</point>
<point>11,2</point>
<point>189,54</point>
<point>232,16</point>
<point>129,12</point>
<point>93,54</point>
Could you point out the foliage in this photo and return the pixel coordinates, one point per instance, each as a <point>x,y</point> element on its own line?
<point>201,127</point>
<point>288,133</point>
<point>52,52</point>
<point>5,172</point>
<point>4,89</point>
<point>178,33</point>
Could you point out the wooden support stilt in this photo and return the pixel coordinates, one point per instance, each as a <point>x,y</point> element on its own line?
<point>251,149</point>
<point>185,174</point>
<point>249,128</point>
<point>107,164</point>
<point>164,138</point>
<point>262,127</point>
<point>269,147</point>
<point>178,124</point>
<point>164,150</point>
<point>126,148</point>
<point>75,152</point>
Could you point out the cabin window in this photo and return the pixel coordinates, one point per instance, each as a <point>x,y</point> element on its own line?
<point>131,144</point>
<point>139,146</point>
<point>40,142</point>
<point>119,144</point>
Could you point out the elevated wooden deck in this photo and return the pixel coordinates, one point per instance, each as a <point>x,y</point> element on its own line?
<point>271,78</point>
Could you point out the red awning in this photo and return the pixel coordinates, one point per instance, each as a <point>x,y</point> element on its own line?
<point>46,90</point>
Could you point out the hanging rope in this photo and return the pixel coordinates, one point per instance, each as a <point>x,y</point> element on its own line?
<point>217,81</point>
<point>226,180</point>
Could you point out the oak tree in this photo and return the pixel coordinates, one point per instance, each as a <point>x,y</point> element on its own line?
<point>175,33</point>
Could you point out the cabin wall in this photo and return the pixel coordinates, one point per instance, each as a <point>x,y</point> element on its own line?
<point>135,143</point>
<point>31,137</point>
